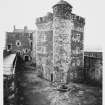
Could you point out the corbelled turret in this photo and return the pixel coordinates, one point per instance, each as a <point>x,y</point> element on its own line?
<point>62,9</point>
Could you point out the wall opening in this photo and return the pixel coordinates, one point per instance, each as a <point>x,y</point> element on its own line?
<point>9,47</point>
<point>51,77</point>
<point>26,58</point>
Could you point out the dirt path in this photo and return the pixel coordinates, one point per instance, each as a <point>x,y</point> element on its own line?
<point>29,89</point>
<point>33,90</point>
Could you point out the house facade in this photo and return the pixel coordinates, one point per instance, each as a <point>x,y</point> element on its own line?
<point>20,41</point>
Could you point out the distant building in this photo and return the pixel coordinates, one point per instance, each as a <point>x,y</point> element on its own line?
<point>59,43</point>
<point>20,41</point>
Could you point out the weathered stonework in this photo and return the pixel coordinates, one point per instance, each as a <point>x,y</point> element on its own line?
<point>44,46</point>
<point>61,34</point>
<point>62,48</point>
<point>34,48</point>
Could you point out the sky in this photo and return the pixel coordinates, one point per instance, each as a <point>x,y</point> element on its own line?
<point>24,12</point>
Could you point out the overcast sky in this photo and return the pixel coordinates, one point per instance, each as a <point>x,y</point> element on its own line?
<point>24,12</point>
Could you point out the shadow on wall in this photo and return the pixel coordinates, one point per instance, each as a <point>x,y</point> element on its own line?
<point>75,74</point>
<point>39,70</point>
<point>93,76</point>
<point>20,63</point>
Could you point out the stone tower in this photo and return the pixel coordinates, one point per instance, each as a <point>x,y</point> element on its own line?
<point>59,43</point>
<point>61,39</point>
<point>67,42</point>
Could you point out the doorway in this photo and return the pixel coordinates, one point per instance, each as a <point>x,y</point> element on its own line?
<point>51,77</point>
<point>26,58</point>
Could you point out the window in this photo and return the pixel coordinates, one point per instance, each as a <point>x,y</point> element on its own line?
<point>76,51</point>
<point>26,35</point>
<point>9,47</point>
<point>76,37</point>
<point>30,35</point>
<point>26,50</point>
<point>73,39</point>
<point>26,58</point>
<point>18,43</point>
<point>18,52</point>
<point>43,38</point>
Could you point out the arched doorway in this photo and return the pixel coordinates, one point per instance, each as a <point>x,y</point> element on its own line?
<point>26,58</point>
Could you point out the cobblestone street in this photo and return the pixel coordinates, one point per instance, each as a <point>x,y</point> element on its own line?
<point>33,90</point>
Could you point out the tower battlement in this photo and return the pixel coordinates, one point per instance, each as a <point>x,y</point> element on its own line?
<point>45,19</point>
<point>77,19</point>
<point>60,35</point>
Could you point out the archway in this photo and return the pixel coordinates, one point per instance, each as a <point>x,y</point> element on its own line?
<point>26,58</point>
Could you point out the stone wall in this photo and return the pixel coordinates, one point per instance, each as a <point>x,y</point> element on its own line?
<point>93,67</point>
<point>77,49</point>
<point>64,31</point>
<point>68,30</point>
<point>44,47</point>
<point>61,46</point>
<point>34,48</point>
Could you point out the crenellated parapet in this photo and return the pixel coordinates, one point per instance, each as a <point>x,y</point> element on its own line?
<point>63,10</point>
<point>77,20</point>
<point>45,19</point>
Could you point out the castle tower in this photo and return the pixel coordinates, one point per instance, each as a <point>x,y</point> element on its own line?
<point>67,42</point>
<point>61,39</point>
<point>59,43</point>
